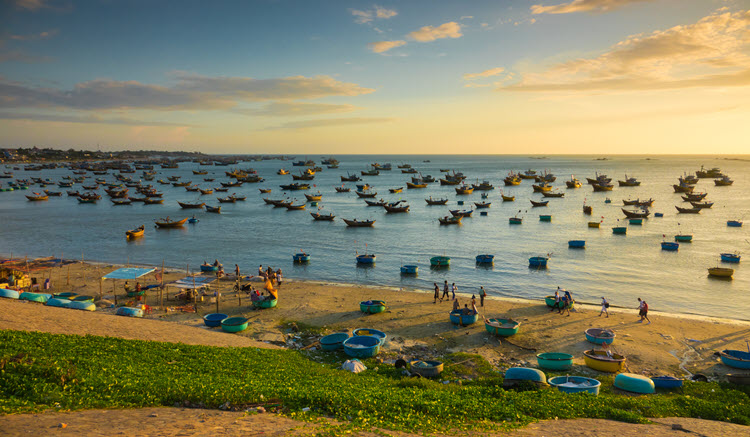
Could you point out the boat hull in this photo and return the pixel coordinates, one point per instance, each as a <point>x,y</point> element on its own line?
<point>580,384</point>
<point>463,319</point>
<point>555,361</point>
<point>598,360</point>
<point>635,383</point>
<point>374,307</point>
<point>502,327</point>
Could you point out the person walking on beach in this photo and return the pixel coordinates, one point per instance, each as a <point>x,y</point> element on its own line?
<point>453,290</point>
<point>605,306</point>
<point>565,304</point>
<point>437,293</point>
<point>278,277</point>
<point>445,292</point>
<point>643,310</point>
<point>557,300</point>
<point>482,294</point>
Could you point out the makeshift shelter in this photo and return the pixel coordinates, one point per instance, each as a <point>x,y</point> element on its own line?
<point>193,283</point>
<point>124,273</point>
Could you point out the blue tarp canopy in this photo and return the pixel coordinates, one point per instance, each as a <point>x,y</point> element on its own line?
<point>128,273</point>
<point>192,282</point>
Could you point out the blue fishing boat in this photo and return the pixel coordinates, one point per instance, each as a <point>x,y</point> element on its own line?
<point>502,327</point>
<point>635,383</point>
<point>265,303</point>
<point>35,297</point>
<point>735,358</point>
<point>234,324</point>
<point>440,261</point>
<point>9,294</point>
<point>667,382</point>
<point>730,258</point>
<point>734,223</point>
<point>214,320</point>
<point>554,360</point>
<point>380,335</point>
<point>575,384</point>
<point>515,220</point>
<point>600,335</point>
<point>426,369</point>
<point>333,342</point>
<point>409,269</point>
<point>658,214</point>
<point>458,318</point>
<point>577,244</point>
<point>519,375</point>
<point>129,312</point>
<point>683,238</point>
<point>301,257</point>
<point>482,213</point>
<point>620,230</point>
<point>85,305</point>
<point>538,261</point>
<point>58,302</point>
<point>366,259</point>
<point>372,307</point>
<point>209,268</point>
<point>669,245</point>
<point>485,259</point>
<point>545,218</point>
<point>193,220</point>
<point>362,346</point>
<point>635,221</point>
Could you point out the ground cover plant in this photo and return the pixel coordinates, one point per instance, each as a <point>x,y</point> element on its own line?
<point>44,371</point>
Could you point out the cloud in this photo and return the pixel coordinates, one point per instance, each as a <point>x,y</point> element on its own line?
<point>36,5</point>
<point>190,92</point>
<point>583,6</point>
<point>366,16</point>
<point>486,73</point>
<point>384,46</point>
<point>21,56</point>
<point>92,119</point>
<point>292,109</point>
<point>34,36</point>
<point>710,52</point>
<point>331,122</point>
<point>430,33</point>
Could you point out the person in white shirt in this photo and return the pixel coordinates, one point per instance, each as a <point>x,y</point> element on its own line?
<point>605,306</point>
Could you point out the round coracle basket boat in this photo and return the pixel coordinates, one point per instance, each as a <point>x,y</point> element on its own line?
<point>85,305</point>
<point>129,312</point>
<point>9,294</point>
<point>362,346</point>
<point>234,324</point>
<point>575,384</point>
<point>380,335</point>
<point>635,383</point>
<point>555,360</point>
<point>427,369</point>
<point>372,306</point>
<point>334,342</point>
<point>667,382</point>
<point>603,362</point>
<point>267,303</point>
<point>502,327</point>
<point>58,302</point>
<point>516,376</point>
<point>214,320</point>
<point>35,297</point>
<point>600,335</point>
<point>459,318</point>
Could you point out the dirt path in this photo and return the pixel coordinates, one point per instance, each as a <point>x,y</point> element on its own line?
<point>212,423</point>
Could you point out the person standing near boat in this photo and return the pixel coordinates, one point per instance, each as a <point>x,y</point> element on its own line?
<point>437,293</point>
<point>482,294</point>
<point>643,310</point>
<point>605,306</point>
<point>453,290</point>
<point>278,277</point>
<point>445,291</point>
<point>456,305</point>
<point>557,300</point>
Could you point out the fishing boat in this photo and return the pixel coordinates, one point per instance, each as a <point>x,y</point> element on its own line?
<point>150,201</point>
<point>282,172</point>
<point>440,261</point>
<point>694,197</point>
<point>542,203</point>
<point>541,188</point>
<point>264,190</point>
<point>735,358</point>
<point>373,172</point>
<point>125,201</point>
<point>409,269</point>
<point>638,202</point>
<point>573,183</point>
<point>396,190</point>
<point>502,327</point>
<point>734,223</point>
<point>629,182</point>
<point>379,203</point>
<point>314,197</point>
<point>481,205</point>
<point>394,207</point>
<point>551,194</point>
<point>545,218</point>
<point>448,220</point>
<point>577,244</point>
<point>461,213</point>
<point>508,198</point>
<point>603,361</point>
<point>200,172</point>
<point>720,272</point>
<point>594,224</point>
<point>192,220</point>
<point>634,383</point>
<point>464,190</point>
<point>184,205</point>
<point>515,220</point>
<point>620,230</point>
<point>725,181</point>
<point>555,361</point>
<point>667,382</point>
<point>135,233</point>
<point>683,188</point>
<point>207,268</point>
<point>484,186</point>
<point>602,187</point>
<point>55,193</point>
<point>683,238</point>
<point>457,317</point>
<point>36,197</point>
<point>412,185</point>
<point>485,259</point>
<point>234,324</point>
<point>366,194</point>
<point>366,259</point>
<point>209,191</point>
<point>167,223</point>
<point>702,205</point>
<point>445,181</point>
<point>322,217</point>
<point>600,179</point>
<point>707,174</point>
<point>350,178</point>
<point>575,384</point>
<point>524,376</point>
<point>299,207</point>
<point>230,199</point>
<point>213,209</point>
<point>301,257</point>
<point>512,180</point>
<point>688,210</point>
<point>670,246</point>
<point>635,221</point>
<point>528,174</point>
<point>359,223</point>
<point>137,199</point>
<point>295,186</point>
<point>343,189</point>
<point>730,258</point>
<point>636,214</point>
<point>432,201</point>
<point>587,209</point>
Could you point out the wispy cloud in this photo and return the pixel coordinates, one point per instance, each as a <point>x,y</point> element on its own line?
<point>377,12</point>
<point>20,56</point>
<point>384,46</point>
<point>431,33</point>
<point>486,73</point>
<point>599,6</point>
<point>296,109</point>
<point>34,36</point>
<point>36,5</point>
<point>191,92</point>
<point>88,119</point>
<point>710,52</point>
<point>331,122</point>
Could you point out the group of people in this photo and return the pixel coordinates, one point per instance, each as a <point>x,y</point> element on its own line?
<point>453,289</point>
<point>466,311</point>
<point>271,275</point>
<point>563,303</point>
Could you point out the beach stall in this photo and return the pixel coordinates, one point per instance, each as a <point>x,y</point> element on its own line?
<point>190,286</point>
<point>124,274</point>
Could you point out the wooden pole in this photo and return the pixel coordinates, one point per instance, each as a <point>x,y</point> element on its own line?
<point>161,287</point>
<point>84,270</point>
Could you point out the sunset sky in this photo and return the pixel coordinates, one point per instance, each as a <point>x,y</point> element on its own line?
<point>416,76</point>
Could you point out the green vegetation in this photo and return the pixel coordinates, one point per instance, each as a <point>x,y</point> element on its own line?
<point>42,371</point>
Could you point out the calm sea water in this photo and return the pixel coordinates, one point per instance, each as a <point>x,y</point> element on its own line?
<point>250,233</point>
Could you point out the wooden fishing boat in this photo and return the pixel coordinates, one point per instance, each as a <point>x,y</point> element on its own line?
<point>135,233</point>
<point>230,199</point>
<point>411,185</point>
<point>409,171</point>
<point>180,184</point>
<point>508,198</point>
<point>720,272</point>
<point>603,362</point>
<point>730,258</point>
<point>551,194</point>
<point>735,358</point>
<point>214,209</point>
<point>449,220</point>
<point>322,217</point>
<point>629,182</point>
<point>167,223</point>
<point>36,197</point>
<point>464,190</point>
<point>380,202</point>
<point>706,174</point>
<point>206,192</point>
<point>343,189</point>
<point>481,205</point>
<point>461,213</point>
<point>602,187</point>
<point>694,197</point>
<point>573,183</point>
<point>394,207</point>
<point>683,188</point>
<point>264,190</point>
<point>542,203</point>
<point>512,181</point>
<point>449,182</point>
<point>600,179</point>
<point>125,201</point>
<point>359,223</point>
<point>373,172</point>
<point>484,186</point>
<point>184,205</point>
<point>280,203</point>
<point>282,172</point>
<point>587,209</point>
<point>314,197</point>
<point>541,188</point>
<point>396,190</point>
<point>502,327</point>
<point>350,178</point>
<point>688,210</point>
<point>291,207</point>
<point>82,199</point>
<point>152,201</point>
<point>231,184</point>
<point>636,214</point>
<point>723,182</point>
<point>55,193</point>
<point>366,194</point>
<point>702,205</point>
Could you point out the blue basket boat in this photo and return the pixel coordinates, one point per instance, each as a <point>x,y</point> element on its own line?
<point>58,302</point>
<point>620,230</point>
<point>545,218</point>
<point>129,312</point>
<point>577,244</point>
<point>576,384</point>
<point>366,259</point>
<point>538,261</point>
<point>35,297</point>
<point>214,320</point>
<point>669,245</point>
<point>193,220</point>
<point>369,332</point>
<point>735,358</point>
<point>83,305</point>
<point>9,294</point>
<point>730,258</point>
<point>427,369</point>
<point>209,268</point>
<point>734,223</point>
<point>635,221</point>
<point>600,335</point>
<point>658,214</point>
<point>667,382</point>
<point>440,261</point>
<point>301,257</point>
<point>683,238</point>
<point>372,306</point>
<point>234,324</point>
<point>502,327</point>
<point>554,361</point>
<point>635,383</point>
<point>485,259</point>
<point>333,342</point>
<point>362,346</point>
<point>409,269</point>
<point>458,318</point>
<point>518,375</point>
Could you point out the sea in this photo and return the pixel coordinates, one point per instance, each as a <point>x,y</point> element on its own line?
<point>252,233</point>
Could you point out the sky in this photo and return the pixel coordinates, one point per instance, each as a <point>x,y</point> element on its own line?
<point>390,77</point>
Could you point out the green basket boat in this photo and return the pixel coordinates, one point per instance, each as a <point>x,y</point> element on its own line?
<point>372,306</point>
<point>440,261</point>
<point>136,293</point>
<point>554,361</point>
<point>502,327</point>
<point>265,303</point>
<point>234,324</point>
